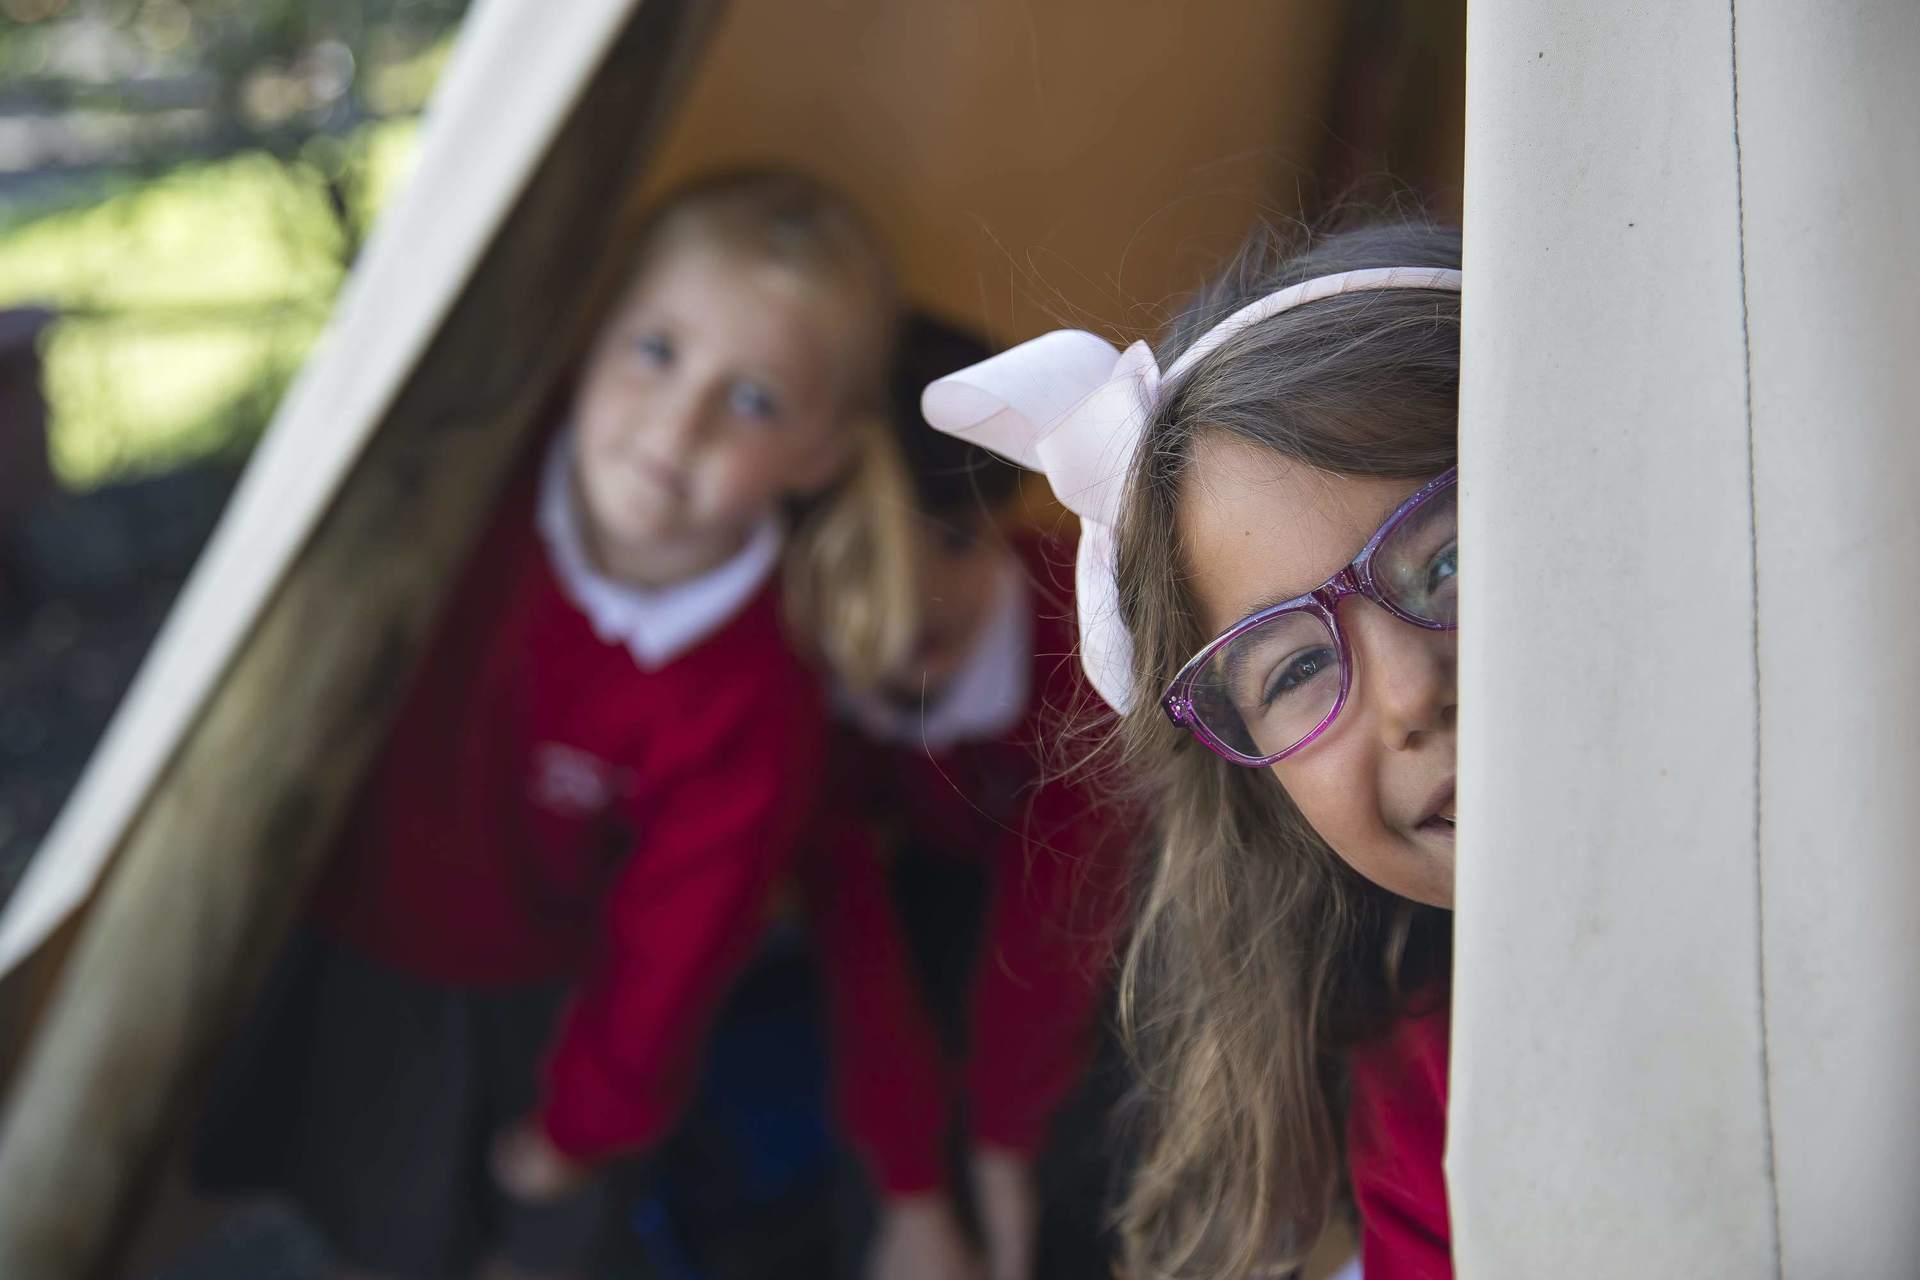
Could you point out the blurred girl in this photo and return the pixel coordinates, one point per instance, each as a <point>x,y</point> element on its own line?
<point>562,854</point>
<point>942,763</point>
<point>1268,586</point>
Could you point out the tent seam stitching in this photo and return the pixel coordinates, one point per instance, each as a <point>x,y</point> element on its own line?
<point>1768,1149</point>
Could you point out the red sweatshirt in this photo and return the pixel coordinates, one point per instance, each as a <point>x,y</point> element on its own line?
<point>1055,875</point>
<point>545,809</point>
<point>1396,1137</point>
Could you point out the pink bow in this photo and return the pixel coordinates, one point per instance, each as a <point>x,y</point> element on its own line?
<point>1066,403</point>
<point>1069,404</point>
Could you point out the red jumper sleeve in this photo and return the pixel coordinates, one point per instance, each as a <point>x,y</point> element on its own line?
<point>682,919</point>
<point>1057,899</point>
<point>890,1078</point>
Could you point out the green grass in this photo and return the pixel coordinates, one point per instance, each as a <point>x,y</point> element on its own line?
<point>189,299</point>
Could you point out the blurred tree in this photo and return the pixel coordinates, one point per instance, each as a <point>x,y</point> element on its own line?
<point>186,183</point>
<point>102,88</point>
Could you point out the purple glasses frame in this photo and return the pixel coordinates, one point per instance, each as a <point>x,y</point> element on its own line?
<point>1324,602</point>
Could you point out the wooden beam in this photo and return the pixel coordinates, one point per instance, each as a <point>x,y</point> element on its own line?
<point>218,860</point>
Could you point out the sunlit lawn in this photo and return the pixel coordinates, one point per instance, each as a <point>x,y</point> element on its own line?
<point>189,300</point>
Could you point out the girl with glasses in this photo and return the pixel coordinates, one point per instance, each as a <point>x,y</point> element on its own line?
<point>1268,599</point>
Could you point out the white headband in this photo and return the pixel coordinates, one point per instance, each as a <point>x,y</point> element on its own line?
<point>1071,405</point>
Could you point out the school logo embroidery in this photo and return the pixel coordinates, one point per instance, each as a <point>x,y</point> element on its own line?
<point>572,783</point>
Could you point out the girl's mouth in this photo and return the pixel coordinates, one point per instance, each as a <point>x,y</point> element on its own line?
<point>1442,818</point>
<point>663,480</point>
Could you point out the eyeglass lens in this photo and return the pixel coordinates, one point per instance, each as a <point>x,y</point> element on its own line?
<point>1270,687</point>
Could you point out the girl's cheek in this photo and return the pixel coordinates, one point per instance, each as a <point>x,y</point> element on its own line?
<point>1337,796</point>
<point>596,422</point>
<point>1303,787</point>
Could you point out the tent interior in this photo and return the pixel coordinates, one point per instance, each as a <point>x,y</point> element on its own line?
<point>1683,998</point>
<point>1029,165</point>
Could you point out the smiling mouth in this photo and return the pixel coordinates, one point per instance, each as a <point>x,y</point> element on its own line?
<point>1442,820</point>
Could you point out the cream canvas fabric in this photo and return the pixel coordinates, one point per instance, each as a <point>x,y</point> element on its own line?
<point>1687,1010</point>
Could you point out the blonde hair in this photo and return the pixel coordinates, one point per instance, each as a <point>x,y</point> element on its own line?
<point>1259,956</point>
<point>848,573</point>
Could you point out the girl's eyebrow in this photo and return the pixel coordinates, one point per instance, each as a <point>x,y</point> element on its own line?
<point>1275,599</point>
<point>1236,665</point>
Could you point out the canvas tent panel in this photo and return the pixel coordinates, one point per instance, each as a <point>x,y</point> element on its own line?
<point>1830,164</point>
<point>1609,1115</point>
<point>1687,1006</point>
<point>1030,164</point>
<point>516,70</point>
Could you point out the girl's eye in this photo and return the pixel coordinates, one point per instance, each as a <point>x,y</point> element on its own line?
<point>750,400</point>
<point>652,349</point>
<point>1443,569</point>
<point>1297,672</point>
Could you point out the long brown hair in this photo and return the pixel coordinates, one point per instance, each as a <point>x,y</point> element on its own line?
<point>1258,955</point>
<point>847,571</point>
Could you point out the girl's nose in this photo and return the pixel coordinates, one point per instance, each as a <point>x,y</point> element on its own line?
<point>676,424</point>
<point>1405,674</point>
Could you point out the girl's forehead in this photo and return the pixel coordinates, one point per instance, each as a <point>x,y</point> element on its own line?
<point>706,279</point>
<point>751,306</point>
<point>1258,527</point>
<point>750,309</point>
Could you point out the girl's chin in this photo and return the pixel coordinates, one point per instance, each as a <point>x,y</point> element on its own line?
<point>1434,844</point>
<point>635,519</point>
<point>1424,874</point>
<point>1413,864</point>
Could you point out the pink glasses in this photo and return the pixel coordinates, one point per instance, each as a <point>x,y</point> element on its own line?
<point>1272,683</point>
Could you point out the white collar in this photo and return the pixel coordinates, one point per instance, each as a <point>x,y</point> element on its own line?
<point>656,624</point>
<point>985,699</point>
